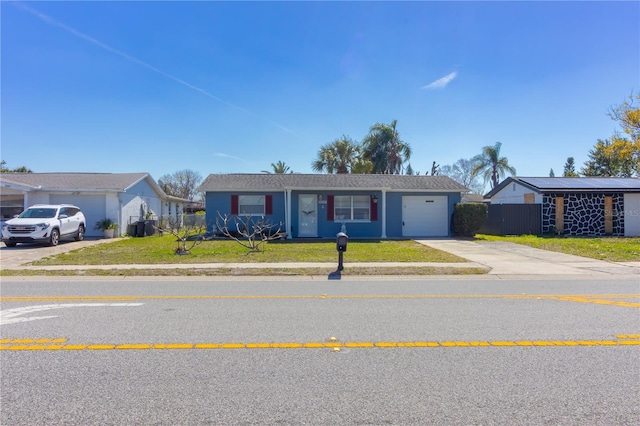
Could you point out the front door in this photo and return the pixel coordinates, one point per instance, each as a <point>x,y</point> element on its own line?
<point>307,215</point>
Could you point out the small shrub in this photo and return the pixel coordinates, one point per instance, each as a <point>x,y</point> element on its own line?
<point>468,218</point>
<point>105,224</point>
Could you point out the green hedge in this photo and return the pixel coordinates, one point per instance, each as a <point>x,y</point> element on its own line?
<point>468,218</point>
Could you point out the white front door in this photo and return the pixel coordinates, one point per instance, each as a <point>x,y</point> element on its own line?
<point>307,215</point>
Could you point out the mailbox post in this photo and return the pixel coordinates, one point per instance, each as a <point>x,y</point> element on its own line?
<point>341,246</point>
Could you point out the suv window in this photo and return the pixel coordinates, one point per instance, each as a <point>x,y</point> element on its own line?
<point>38,213</point>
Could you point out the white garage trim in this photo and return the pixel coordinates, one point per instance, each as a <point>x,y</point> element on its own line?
<point>632,215</point>
<point>425,216</point>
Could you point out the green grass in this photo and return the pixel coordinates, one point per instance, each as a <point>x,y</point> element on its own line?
<point>226,272</point>
<point>158,250</point>
<point>613,249</point>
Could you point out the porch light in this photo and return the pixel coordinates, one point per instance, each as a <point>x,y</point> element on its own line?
<point>375,199</point>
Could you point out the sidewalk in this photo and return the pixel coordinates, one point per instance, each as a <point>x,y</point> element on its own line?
<point>279,265</point>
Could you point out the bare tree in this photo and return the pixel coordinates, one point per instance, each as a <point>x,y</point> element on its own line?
<point>181,184</point>
<point>188,235</point>
<point>248,232</point>
<point>460,171</point>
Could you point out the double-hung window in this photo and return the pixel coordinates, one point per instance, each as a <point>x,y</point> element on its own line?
<point>352,207</point>
<point>253,205</point>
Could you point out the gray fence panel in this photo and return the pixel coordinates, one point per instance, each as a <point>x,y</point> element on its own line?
<point>513,219</point>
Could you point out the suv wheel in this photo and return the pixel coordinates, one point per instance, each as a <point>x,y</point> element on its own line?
<point>80,235</point>
<point>55,237</point>
<point>10,244</point>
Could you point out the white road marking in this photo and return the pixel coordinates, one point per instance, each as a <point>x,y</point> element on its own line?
<point>14,315</point>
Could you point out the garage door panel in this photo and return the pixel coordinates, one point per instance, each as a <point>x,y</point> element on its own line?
<point>632,215</point>
<point>94,208</point>
<point>425,216</point>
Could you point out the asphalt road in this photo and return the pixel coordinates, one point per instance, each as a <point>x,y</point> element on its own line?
<point>252,351</point>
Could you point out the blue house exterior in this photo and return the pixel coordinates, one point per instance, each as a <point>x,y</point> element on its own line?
<point>321,205</point>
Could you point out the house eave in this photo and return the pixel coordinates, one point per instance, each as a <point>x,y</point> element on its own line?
<point>336,189</point>
<point>590,190</point>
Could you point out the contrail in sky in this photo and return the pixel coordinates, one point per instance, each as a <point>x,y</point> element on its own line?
<point>441,83</point>
<point>223,155</point>
<point>49,20</point>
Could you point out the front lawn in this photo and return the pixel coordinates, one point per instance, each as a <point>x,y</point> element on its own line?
<point>160,249</point>
<point>612,249</point>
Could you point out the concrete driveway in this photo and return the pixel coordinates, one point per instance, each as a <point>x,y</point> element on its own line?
<point>14,257</point>
<point>515,259</point>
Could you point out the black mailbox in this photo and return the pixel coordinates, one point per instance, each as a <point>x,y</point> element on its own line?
<point>341,241</point>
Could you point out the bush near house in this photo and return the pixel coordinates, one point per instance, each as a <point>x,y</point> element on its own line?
<point>468,218</point>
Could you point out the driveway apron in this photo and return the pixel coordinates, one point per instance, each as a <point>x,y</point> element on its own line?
<point>506,258</point>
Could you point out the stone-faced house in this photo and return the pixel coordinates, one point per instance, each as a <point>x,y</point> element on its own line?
<point>577,206</point>
<point>320,205</point>
<point>122,197</point>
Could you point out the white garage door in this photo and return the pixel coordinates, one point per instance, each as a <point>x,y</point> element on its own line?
<point>632,215</point>
<point>94,208</point>
<point>425,216</point>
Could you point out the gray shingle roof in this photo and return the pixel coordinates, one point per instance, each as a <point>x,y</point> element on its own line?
<point>280,182</point>
<point>547,183</point>
<point>74,181</point>
<point>574,184</point>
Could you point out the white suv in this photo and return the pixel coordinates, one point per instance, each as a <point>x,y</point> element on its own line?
<point>45,223</point>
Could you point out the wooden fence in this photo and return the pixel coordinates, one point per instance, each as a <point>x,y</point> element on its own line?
<point>513,219</point>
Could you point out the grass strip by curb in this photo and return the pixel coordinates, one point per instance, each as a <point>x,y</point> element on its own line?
<point>179,272</point>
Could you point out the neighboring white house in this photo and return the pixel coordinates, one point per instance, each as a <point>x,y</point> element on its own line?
<point>578,205</point>
<point>124,198</point>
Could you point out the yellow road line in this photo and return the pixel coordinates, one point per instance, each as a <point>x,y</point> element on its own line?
<point>600,301</point>
<point>586,298</point>
<point>627,336</point>
<point>59,340</point>
<point>318,345</point>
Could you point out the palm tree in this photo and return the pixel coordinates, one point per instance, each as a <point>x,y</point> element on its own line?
<point>280,168</point>
<point>491,165</point>
<point>384,148</point>
<point>339,156</point>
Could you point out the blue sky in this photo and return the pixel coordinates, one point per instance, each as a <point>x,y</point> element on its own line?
<point>221,87</point>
